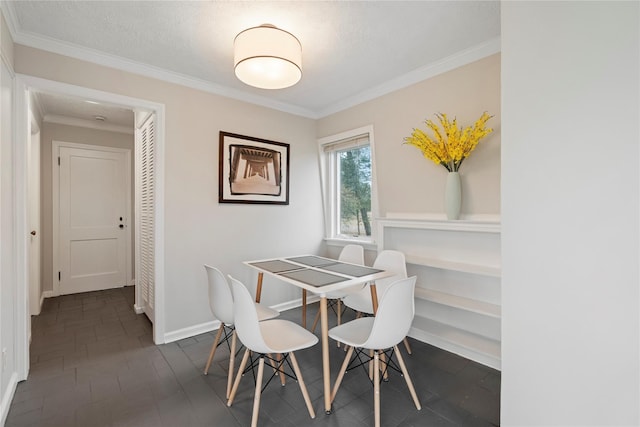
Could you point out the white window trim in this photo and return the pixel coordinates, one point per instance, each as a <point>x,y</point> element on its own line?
<point>329,198</point>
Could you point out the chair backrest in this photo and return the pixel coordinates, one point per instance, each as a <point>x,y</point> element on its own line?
<point>353,254</point>
<point>394,316</point>
<point>390,260</point>
<point>220,297</point>
<point>246,318</point>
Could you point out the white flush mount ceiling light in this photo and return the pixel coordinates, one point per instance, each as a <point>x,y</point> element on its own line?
<point>267,57</point>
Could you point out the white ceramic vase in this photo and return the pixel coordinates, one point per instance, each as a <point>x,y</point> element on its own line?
<point>453,195</point>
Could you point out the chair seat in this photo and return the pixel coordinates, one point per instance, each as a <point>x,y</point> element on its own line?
<point>283,336</point>
<point>265,312</point>
<point>354,333</point>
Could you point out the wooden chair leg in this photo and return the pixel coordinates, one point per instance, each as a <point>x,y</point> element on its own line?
<point>256,397</point>
<point>243,365</point>
<point>376,388</point>
<point>371,365</point>
<point>406,345</point>
<point>315,322</point>
<point>213,348</point>
<point>407,378</point>
<point>304,308</point>
<point>303,388</point>
<point>274,366</point>
<point>343,369</point>
<point>339,313</point>
<point>383,366</point>
<point>232,358</point>
<point>283,379</point>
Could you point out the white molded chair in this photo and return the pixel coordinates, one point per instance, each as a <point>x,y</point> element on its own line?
<point>380,334</point>
<point>221,304</point>
<point>276,336</point>
<point>353,254</point>
<point>389,260</point>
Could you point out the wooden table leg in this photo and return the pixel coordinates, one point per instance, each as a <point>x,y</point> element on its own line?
<point>259,287</point>
<point>374,297</point>
<point>326,370</point>
<point>304,308</point>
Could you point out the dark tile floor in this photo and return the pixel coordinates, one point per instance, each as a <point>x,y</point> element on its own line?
<point>93,363</point>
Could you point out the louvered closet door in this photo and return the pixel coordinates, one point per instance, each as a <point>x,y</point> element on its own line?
<point>145,211</point>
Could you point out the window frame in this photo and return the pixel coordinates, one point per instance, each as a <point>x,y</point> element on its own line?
<point>329,172</point>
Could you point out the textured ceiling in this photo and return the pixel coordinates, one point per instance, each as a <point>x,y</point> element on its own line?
<point>56,105</point>
<point>350,49</point>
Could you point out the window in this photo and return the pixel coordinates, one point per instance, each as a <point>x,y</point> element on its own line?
<point>347,170</point>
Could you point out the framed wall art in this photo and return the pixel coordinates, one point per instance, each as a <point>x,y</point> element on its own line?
<point>252,170</point>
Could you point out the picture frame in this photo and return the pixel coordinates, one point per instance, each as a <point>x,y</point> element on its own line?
<point>252,170</point>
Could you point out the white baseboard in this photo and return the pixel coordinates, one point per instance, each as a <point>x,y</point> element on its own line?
<point>203,328</point>
<point>132,282</point>
<point>288,305</point>
<point>191,331</point>
<point>138,309</point>
<point>7,397</point>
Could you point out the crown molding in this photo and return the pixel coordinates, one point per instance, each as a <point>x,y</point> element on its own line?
<point>9,12</point>
<point>72,121</point>
<point>449,63</point>
<point>119,63</point>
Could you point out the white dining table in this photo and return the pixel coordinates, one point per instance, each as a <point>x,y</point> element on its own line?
<point>320,276</point>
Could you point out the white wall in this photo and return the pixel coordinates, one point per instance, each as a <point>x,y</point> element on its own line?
<point>8,287</point>
<point>570,214</point>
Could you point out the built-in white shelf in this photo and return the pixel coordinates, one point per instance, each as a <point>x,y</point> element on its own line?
<point>478,223</point>
<point>462,303</point>
<point>458,264</point>
<point>473,267</point>
<point>476,347</point>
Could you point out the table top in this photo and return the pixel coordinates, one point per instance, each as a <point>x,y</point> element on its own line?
<point>318,274</point>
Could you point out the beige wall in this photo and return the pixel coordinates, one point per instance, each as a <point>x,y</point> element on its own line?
<point>56,132</point>
<point>409,183</point>
<point>197,229</point>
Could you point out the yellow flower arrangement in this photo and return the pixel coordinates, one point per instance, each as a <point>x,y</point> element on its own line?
<point>451,145</point>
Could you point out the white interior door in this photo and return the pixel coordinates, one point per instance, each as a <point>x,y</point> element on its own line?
<point>33,190</point>
<point>94,189</point>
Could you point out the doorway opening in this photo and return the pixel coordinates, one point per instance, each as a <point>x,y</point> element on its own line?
<point>26,85</point>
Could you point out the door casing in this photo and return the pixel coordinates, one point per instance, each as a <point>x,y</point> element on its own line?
<point>22,86</point>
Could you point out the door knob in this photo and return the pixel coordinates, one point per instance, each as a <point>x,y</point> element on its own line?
<point>33,232</point>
